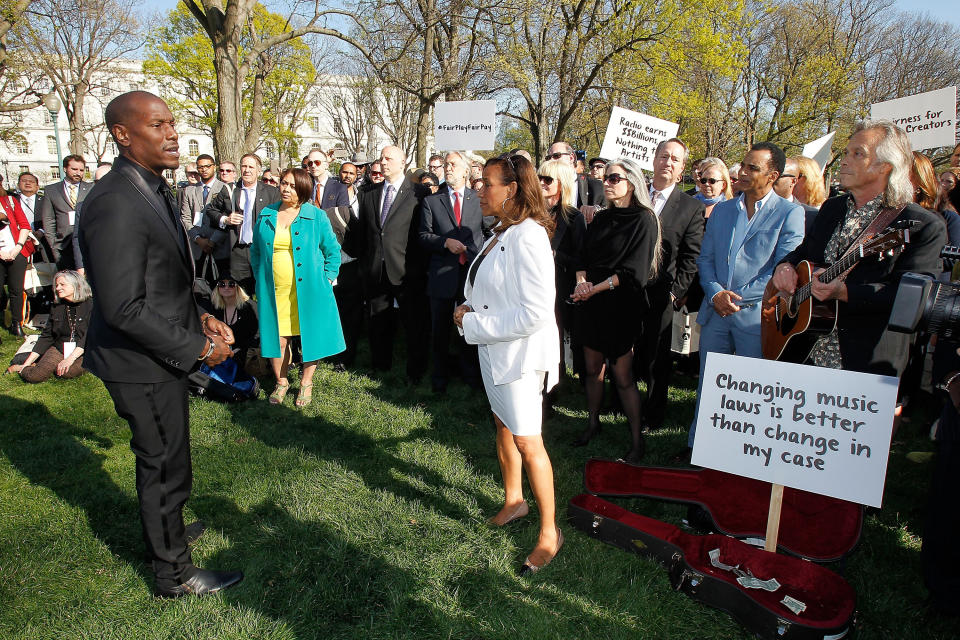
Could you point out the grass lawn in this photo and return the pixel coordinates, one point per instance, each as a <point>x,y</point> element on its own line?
<point>362,516</point>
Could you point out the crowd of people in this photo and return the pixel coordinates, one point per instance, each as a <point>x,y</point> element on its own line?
<point>505,275</point>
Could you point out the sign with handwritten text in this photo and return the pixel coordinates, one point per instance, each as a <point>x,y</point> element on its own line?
<point>467,124</point>
<point>635,135</point>
<point>825,431</point>
<point>929,119</point>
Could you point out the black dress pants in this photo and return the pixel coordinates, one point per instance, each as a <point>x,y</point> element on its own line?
<point>652,355</point>
<point>441,323</point>
<point>158,414</point>
<point>349,295</point>
<point>11,274</point>
<point>414,314</point>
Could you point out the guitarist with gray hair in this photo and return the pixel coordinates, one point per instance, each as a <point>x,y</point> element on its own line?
<point>875,173</point>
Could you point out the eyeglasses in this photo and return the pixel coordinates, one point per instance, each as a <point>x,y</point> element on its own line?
<point>613,178</point>
<point>558,155</point>
<point>597,166</point>
<point>227,170</point>
<point>547,180</point>
<point>193,173</point>
<point>376,173</point>
<point>787,175</point>
<point>204,166</point>
<point>226,284</point>
<point>436,166</point>
<point>315,163</point>
<point>710,180</point>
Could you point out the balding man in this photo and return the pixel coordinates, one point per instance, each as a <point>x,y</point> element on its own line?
<point>146,332</point>
<point>393,265</point>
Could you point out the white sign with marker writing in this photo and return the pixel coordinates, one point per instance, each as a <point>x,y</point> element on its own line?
<point>466,124</point>
<point>825,431</point>
<point>635,135</point>
<point>929,119</point>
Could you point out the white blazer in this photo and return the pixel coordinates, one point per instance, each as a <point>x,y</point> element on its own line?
<point>513,306</point>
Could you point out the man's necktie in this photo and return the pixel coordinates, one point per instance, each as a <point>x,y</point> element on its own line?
<point>73,195</point>
<point>206,192</point>
<point>387,201</point>
<point>456,214</point>
<point>247,226</point>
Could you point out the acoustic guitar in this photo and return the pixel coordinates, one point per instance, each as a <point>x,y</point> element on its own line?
<point>791,324</point>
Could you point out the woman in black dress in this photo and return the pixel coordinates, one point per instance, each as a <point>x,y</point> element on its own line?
<point>231,304</point>
<point>620,255</point>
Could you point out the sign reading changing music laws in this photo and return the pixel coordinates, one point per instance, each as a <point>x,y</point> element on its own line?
<point>467,124</point>
<point>635,135</point>
<point>825,431</point>
<point>929,119</point>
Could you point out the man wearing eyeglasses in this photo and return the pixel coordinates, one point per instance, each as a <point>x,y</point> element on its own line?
<point>374,176</point>
<point>784,188</point>
<point>589,190</point>
<point>195,199</point>
<point>597,167</point>
<point>328,192</point>
<point>681,222</point>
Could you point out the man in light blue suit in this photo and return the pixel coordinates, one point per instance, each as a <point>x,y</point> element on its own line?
<point>745,239</point>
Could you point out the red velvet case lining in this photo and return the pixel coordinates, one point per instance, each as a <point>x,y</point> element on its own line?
<point>811,526</point>
<point>829,598</point>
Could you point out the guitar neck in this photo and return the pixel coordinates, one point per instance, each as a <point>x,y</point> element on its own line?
<point>804,292</point>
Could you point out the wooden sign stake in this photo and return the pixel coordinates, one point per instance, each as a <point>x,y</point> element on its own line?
<point>773,517</point>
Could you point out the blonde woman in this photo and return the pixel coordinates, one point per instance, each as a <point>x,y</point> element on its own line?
<point>231,304</point>
<point>810,188</point>
<point>714,182</point>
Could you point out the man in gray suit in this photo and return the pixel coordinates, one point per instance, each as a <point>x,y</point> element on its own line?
<point>233,213</point>
<point>58,209</point>
<point>195,198</point>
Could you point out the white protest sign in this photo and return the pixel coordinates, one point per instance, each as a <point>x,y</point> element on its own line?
<point>635,135</point>
<point>929,119</point>
<point>468,124</point>
<point>821,430</point>
<point>820,149</point>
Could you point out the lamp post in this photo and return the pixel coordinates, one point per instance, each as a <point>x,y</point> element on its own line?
<point>53,104</point>
<point>6,175</point>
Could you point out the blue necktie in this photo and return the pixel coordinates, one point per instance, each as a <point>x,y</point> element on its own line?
<point>206,192</point>
<point>387,201</point>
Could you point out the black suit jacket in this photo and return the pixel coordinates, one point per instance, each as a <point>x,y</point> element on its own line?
<point>865,343</point>
<point>224,204</point>
<point>394,247</point>
<point>681,223</point>
<point>594,190</point>
<point>335,194</point>
<point>145,326</point>
<point>809,215</point>
<point>55,211</point>
<point>439,223</point>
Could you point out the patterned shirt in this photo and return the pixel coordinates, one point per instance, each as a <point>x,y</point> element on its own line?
<point>826,351</point>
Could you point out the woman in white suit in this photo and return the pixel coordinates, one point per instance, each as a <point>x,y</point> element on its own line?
<point>509,313</point>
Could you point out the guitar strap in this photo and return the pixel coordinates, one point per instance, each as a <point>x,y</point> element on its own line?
<point>882,221</point>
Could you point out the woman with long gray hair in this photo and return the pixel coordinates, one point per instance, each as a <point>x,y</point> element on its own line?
<point>621,254</point>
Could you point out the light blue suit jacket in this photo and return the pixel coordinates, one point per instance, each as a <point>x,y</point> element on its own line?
<point>775,233</point>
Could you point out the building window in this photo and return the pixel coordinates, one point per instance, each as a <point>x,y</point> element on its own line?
<point>168,174</point>
<point>17,117</point>
<point>316,147</point>
<point>134,86</point>
<point>22,147</point>
<point>51,145</point>
<point>337,124</point>
<point>113,149</point>
<point>269,150</point>
<point>194,147</point>
<point>315,123</point>
<point>47,118</point>
<point>54,173</point>
<point>24,168</point>
<point>104,91</point>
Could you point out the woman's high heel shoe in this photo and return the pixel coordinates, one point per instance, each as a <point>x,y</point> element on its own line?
<point>529,568</point>
<point>586,436</point>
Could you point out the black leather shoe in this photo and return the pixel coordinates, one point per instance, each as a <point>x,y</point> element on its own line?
<point>16,330</point>
<point>193,531</point>
<point>202,583</point>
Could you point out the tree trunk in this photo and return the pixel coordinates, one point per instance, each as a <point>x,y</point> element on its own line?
<point>78,123</point>
<point>228,139</point>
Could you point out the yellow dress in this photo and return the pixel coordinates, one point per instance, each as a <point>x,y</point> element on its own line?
<point>284,283</point>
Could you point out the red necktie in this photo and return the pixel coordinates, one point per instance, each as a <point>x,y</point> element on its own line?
<point>456,214</point>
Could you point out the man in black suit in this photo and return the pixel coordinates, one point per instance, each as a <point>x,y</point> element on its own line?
<point>589,190</point>
<point>327,191</point>
<point>58,209</point>
<point>784,188</point>
<point>875,172</point>
<point>384,237</point>
<point>145,331</point>
<point>681,223</point>
<point>452,231</point>
<point>233,213</point>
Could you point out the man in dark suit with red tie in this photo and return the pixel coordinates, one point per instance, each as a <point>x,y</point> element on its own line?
<point>452,231</point>
<point>384,237</point>
<point>328,192</point>
<point>146,332</point>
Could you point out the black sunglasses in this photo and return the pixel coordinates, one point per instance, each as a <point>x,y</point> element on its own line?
<point>558,155</point>
<point>710,180</point>
<point>547,180</point>
<point>613,178</point>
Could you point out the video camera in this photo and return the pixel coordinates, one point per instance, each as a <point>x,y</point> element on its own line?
<point>926,304</point>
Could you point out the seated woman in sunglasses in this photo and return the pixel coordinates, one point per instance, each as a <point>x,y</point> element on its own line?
<point>558,181</point>
<point>621,253</point>
<point>231,304</point>
<point>714,183</point>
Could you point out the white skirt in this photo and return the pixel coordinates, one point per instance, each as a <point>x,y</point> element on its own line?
<point>518,404</point>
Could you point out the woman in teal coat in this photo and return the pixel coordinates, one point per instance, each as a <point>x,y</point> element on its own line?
<point>295,258</point>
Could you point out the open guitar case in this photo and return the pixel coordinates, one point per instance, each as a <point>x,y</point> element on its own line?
<point>774,595</point>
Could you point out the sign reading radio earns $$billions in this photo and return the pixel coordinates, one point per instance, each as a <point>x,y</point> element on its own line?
<point>635,135</point>
<point>821,430</point>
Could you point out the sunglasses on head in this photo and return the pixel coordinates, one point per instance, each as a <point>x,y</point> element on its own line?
<point>226,284</point>
<point>547,180</point>
<point>710,180</point>
<point>613,178</point>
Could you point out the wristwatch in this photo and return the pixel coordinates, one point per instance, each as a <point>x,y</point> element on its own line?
<point>945,385</point>
<point>210,349</point>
